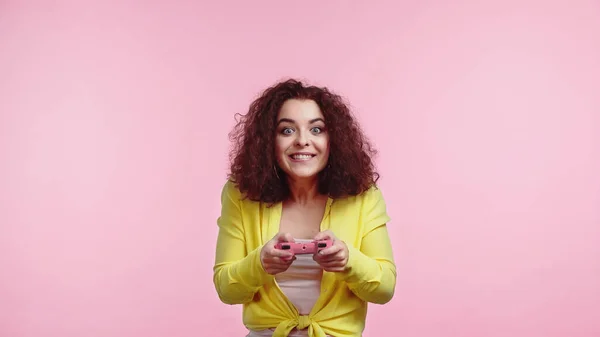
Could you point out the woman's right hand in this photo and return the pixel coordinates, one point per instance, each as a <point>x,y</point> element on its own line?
<point>275,260</point>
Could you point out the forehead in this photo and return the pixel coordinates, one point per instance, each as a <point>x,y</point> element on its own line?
<point>300,110</point>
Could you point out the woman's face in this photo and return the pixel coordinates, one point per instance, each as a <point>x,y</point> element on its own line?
<point>301,140</point>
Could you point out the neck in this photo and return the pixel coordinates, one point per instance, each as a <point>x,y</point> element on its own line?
<point>304,191</point>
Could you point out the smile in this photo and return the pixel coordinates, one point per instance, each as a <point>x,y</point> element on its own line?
<point>301,156</point>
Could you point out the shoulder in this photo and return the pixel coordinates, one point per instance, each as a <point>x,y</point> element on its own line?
<point>368,207</point>
<point>231,188</point>
<point>365,201</point>
<point>369,196</point>
<point>373,206</point>
<point>374,209</point>
<point>231,193</point>
<point>372,194</point>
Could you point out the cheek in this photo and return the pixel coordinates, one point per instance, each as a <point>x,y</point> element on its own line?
<point>280,146</point>
<point>323,144</point>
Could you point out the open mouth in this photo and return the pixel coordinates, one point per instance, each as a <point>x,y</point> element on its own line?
<point>301,156</point>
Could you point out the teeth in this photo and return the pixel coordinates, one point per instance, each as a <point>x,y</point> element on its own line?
<point>301,156</point>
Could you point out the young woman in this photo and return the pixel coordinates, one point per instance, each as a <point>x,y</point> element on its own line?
<point>302,171</point>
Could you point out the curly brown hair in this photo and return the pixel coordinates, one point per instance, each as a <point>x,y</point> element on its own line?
<point>350,169</point>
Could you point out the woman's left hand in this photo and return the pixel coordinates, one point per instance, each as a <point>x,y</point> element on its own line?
<point>334,258</point>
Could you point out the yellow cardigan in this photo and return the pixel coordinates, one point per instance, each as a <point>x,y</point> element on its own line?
<point>239,278</point>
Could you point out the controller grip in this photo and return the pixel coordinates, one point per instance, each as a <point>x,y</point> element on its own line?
<point>304,247</point>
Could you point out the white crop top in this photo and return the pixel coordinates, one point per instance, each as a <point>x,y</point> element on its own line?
<point>301,284</point>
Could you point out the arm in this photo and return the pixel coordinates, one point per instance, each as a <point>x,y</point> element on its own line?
<point>370,272</point>
<point>237,275</point>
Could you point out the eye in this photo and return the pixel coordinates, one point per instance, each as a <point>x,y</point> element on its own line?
<point>316,129</point>
<point>287,131</point>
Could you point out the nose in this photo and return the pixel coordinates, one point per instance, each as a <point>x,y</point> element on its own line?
<point>302,139</point>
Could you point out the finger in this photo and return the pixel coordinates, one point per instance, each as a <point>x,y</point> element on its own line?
<point>284,237</point>
<point>280,253</point>
<point>328,264</point>
<point>278,261</point>
<point>278,267</point>
<point>288,260</point>
<point>330,259</point>
<point>331,250</point>
<point>332,264</point>
<point>324,235</point>
<point>334,269</point>
<point>287,237</point>
<point>283,260</point>
<point>333,259</point>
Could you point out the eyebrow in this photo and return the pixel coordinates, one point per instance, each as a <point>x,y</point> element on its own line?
<point>293,121</point>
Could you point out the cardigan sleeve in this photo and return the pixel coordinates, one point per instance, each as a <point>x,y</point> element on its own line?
<point>371,271</point>
<point>237,274</point>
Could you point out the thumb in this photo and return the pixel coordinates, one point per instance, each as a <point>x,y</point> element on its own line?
<point>324,236</point>
<point>284,237</point>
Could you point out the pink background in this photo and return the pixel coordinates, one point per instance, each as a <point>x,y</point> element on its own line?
<point>113,149</point>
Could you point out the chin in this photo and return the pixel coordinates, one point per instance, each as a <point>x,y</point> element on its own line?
<point>296,176</point>
<point>303,174</point>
